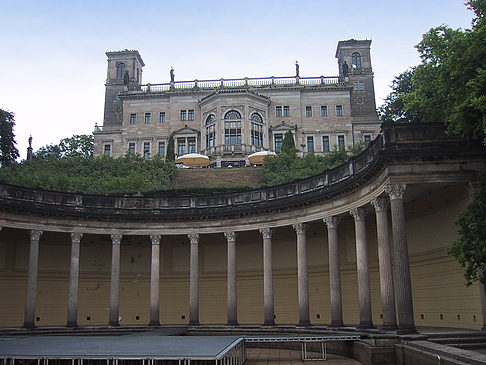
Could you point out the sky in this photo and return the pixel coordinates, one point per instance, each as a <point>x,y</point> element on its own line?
<point>53,63</point>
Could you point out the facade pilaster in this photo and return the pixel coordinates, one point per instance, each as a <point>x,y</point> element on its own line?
<point>155,281</point>
<point>268,301</point>
<point>302,280</point>
<point>385,262</point>
<point>232,289</point>
<point>31,295</point>
<point>365,318</point>
<point>194,280</point>
<point>115,280</point>
<point>334,272</point>
<point>402,266</point>
<point>72,313</point>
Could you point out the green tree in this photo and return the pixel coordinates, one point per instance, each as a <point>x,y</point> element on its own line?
<point>8,151</point>
<point>288,144</point>
<point>75,146</point>
<point>170,155</point>
<point>470,248</point>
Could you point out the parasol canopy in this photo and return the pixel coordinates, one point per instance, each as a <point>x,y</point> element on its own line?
<point>258,157</point>
<point>193,159</point>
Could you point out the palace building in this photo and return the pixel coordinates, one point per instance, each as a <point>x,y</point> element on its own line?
<point>228,119</point>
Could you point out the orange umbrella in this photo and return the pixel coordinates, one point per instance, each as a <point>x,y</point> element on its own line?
<point>193,160</point>
<point>258,157</point>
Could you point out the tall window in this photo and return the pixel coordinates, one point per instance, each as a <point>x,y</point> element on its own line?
<point>107,150</point>
<point>162,117</point>
<point>131,148</point>
<point>181,146</point>
<point>278,111</point>
<point>210,131</point>
<point>358,85</point>
<point>148,118</point>
<point>339,110</point>
<point>146,150</point>
<point>325,143</point>
<point>232,128</point>
<point>256,130</point>
<point>323,110</point>
<point>183,114</point>
<point>120,70</point>
<point>367,139</point>
<point>310,143</point>
<point>340,142</point>
<point>191,141</point>
<point>133,118</point>
<point>190,114</point>
<point>286,111</point>
<point>162,148</point>
<point>278,138</point>
<point>356,60</point>
<point>308,111</point>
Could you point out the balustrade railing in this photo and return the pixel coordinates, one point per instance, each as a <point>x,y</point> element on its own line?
<point>244,82</point>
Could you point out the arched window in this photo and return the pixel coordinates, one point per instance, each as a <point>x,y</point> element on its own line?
<point>356,60</point>
<point>210,131</point>
<point>232,128</point>
<point>120,70</point>
<point>256,130</point>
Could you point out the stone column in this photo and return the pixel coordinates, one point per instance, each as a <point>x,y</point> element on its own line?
<point>72,313</point>
<point>334,272</point>
<point>302,285</point>
<point>402,267</point>
<point>268,305</point>
<point>385,262</point>
<point>232,309</point>
<point>365,319</point>
<point>115,280</point>
<point>155,280</point>
<point>194,280</point>
<point>29,315</point>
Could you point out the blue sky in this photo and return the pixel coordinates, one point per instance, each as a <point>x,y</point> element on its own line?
<point>53,52</point>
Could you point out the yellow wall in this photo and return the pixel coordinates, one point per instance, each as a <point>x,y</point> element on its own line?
<point>437,281</point>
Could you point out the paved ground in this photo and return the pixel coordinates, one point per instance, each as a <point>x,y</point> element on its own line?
<point>260,356</point>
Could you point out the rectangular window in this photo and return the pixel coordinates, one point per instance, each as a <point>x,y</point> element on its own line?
<point>286,111</point>
<point>162,117</point>
<point>148,118</point>
<point>339,110</point>
<point>340,141</point>
<point>183,114</point>
<point>210,136</point>
<point>131,148</point>
<point>278,111</point>
<point>232,133</point>
<point>308,111</point>
<point>310,143</point>
<point>325,143</point>
<point>107,150</point>
<point>162,148</point>
<point>191,141</point>
<point>190,115</point>
<point>133,118</point>
<point>367,139</point>
<point>181,146</point>
<point>361,86</point>
<point>323,110</point>
<point>146,150</point>
<point>278,138</point>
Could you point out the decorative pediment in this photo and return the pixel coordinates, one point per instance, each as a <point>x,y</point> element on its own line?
<point>283,127</point>
<point>186,131</point>
<point>232,93</point>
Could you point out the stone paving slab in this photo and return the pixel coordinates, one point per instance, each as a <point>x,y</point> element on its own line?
<point>260,356</point>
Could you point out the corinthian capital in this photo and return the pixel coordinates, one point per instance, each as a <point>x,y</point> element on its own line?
<point>380,203</point>
<point>155,238</point>
<point>193,238</point>
<point>300,228</point>
<point>266,232</point>
<point>395,191</point>
<point>116,239</point>
<point>230,236</point>
<point>358,214</point>
<point>35,235</point>
<point>331,222</point>
<point>76,237</point>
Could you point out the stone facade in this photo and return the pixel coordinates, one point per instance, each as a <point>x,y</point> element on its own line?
<point>228,119</point>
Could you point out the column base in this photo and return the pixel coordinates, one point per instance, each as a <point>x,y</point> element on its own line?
<point>483,328</point>
<point>232,323</point>
<point>114,323</point>
<point>365,326</point>
<point>154,323</point>
<point>304,324</point>
<point>337,324</point>
<point>194,323</point>
<point>388,327</point>
<point>406,330</point>
<point>72,324</point>
<point>28,325</point>
<point>270,322</point>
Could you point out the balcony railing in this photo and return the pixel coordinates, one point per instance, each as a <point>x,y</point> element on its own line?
<point>241,149</point>
<point>253,82</point>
